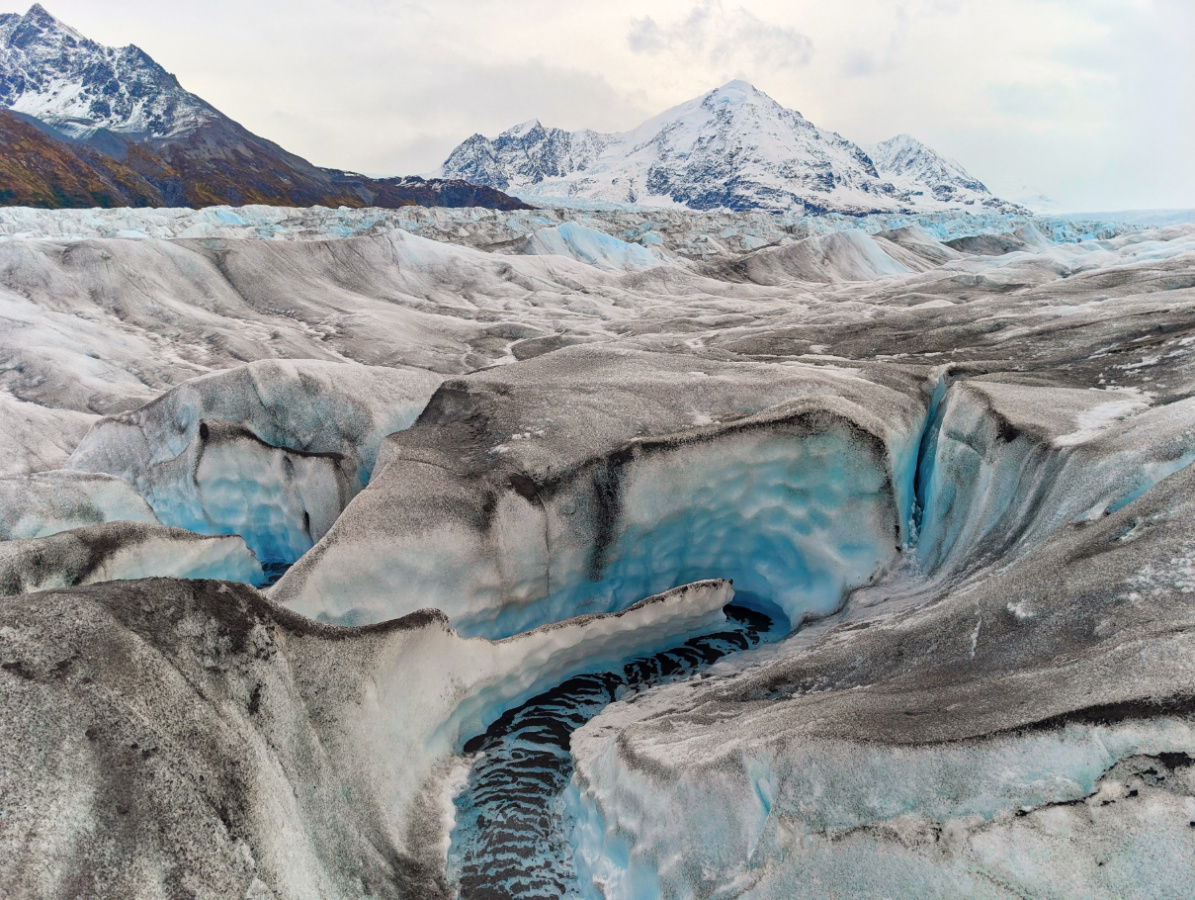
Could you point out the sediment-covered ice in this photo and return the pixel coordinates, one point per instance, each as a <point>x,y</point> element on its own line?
<point>36,438</point>
<point>954,451</point>
<point>590,246</point>
<point>121,551</point>
<point>204,735</point>
<point>507,505</point>
<point>840,256</point>
<point>1026,735</point>
<point>49,502</point>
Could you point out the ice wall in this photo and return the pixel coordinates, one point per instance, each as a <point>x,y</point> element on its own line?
<point>576,481</point>
<point>797,506</point>
<point>999,818</point>
<point>992,742</point>
<point>49,502</point>
<point>1007,464</point>
<point>231,743</point>
<point>272,451</point>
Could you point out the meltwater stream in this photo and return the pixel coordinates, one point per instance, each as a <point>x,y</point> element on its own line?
<point>511,840</point>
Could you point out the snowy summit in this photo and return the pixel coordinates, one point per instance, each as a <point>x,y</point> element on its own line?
<point>85,125</point>
<point>733,148</point>
<point>50,71</point>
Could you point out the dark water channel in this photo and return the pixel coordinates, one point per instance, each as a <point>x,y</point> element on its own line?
<point>511,840</point>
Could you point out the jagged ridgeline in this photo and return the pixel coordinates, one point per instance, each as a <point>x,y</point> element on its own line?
<point>732,148</point>
<point>89,125</point>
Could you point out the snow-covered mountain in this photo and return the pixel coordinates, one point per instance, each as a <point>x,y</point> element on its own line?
<point>117,129</point>
<point>52,72</point>
<point>734,148</point>
<point>917,169</point>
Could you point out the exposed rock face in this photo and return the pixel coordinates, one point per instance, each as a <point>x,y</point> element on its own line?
<point>38,170</point>
<point>50,71</point>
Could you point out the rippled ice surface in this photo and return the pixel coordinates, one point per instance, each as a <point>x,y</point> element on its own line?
<point>511,834</point>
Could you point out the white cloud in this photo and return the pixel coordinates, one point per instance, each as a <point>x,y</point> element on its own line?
<point>721,37</point>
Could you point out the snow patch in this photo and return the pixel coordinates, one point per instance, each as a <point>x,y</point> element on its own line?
<point>1096,421</point>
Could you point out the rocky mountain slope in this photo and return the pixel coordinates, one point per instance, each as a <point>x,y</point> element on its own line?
<point>120,103</point>
<point>732,148</point>
<point>38,170</point>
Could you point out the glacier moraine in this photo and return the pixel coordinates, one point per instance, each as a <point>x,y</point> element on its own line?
<point>601,554</point>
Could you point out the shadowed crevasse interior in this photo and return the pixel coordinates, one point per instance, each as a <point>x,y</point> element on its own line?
<point>512,835</point>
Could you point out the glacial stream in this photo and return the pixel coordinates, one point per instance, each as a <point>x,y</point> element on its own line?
<point>511,840</point>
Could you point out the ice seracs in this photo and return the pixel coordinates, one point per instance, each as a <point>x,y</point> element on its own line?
<point>732,148</point>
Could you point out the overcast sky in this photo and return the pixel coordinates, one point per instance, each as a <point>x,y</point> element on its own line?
<point>1090,101</point>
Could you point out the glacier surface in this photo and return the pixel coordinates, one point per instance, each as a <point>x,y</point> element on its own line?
<point>948,455</point>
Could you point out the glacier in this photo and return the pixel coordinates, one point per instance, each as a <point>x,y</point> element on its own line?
<point>302,511</point>
<point>564,509</point>
<point>122,550</point>
<point>272,451</point>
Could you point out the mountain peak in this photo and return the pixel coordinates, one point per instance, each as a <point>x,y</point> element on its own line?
<point>738,93</point>
<point>910,163</point>
<point>52,72</point>
<point>39,21</point>
<point>523,128</point>
<point>738,86</point>
<point>96,124</point>
<point>901,140</point>
<point>733,147</point>
<point>740,96</point>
